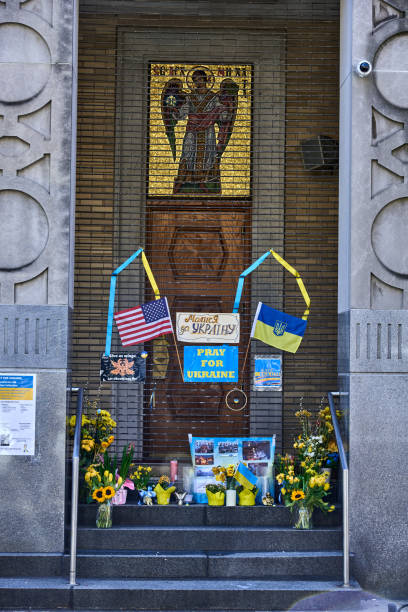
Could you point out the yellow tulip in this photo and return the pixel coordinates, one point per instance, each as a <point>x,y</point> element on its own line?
<point>110,477</point>
<point>106,473</point>
<point>120,480</point>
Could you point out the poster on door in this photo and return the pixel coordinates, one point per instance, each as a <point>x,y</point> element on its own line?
<point>17,414</point>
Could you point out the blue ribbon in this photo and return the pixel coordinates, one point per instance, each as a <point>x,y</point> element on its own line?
<point>242,276</point>
<point>112,299</point>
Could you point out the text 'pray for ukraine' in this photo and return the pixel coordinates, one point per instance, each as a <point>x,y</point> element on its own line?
<point>208,364</point>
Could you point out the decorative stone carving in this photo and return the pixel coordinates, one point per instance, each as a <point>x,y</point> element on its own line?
<point>383,127</point>
<point>401,153</point>
<point>25,63</point>
<point>380,270</point>
<point>383,11</point>
<point>11,146</point>
<point>35,108</point>
<point>39,120</point>
<point>382,178</point>
<point>391,70</point>
<point>42,8</point>
<point>389,236</point>
<point>24,222</point>
<point>38,172</point>
<point>385,297</point>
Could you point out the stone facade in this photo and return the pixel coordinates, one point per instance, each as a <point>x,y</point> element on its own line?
<point>36,88</point>
<point>37,77</point>
<point>373,285</point>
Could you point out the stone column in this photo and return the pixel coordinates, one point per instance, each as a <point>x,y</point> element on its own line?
<point>36,90</point>
<point>373,285</point>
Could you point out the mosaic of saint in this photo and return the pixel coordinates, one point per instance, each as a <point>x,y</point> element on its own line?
<point>200,130</point>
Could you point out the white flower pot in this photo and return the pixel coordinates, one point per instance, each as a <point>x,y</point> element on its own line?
<point>231,497</point>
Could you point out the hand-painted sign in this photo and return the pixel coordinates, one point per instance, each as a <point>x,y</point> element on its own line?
<point>207,327</point>
<point>211,364</point>
<point>118,367</point>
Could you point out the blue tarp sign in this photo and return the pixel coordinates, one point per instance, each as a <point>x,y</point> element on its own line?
<point>211,364</point>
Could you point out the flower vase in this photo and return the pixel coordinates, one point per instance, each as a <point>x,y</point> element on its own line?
<point>304,518</point>
<point>120,497</point>
<point>163,495</point>
<point>104,515</point>
<point>215,499</point>
<point>231,497</point>
<point>247,497</point>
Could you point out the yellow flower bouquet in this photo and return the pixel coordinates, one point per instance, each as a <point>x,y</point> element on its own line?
<point>226,475</point>
<point>302,478</point>
<point>141,477</point>
<point>102,486</point>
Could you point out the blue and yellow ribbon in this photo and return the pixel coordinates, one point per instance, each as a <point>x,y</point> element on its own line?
<point>288,267</point>
<point>112,291</point>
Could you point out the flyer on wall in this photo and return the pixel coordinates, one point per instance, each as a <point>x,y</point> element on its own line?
<point>17,413</point>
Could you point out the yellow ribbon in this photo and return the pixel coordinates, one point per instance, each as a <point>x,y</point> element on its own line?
<point>150,277</point>
<point>299,281</point>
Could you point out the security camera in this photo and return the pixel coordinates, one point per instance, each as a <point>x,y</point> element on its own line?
<point>363,68</point>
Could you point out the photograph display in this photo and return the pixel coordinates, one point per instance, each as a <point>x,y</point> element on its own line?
<point>256,452</point>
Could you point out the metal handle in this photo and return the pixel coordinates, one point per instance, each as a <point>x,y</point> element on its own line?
<point>345,475</point>
<point>75,486</point>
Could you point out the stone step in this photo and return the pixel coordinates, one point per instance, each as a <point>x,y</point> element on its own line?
<point>247,565</point>
<point>201,515</point>
<point>240,595</point>
<point>205,539</point>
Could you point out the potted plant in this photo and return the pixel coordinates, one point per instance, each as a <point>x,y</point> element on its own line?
<point>215,494</point>
<point>163,490</point>
<point>226,475</point>
<point>247,496</point>
<point>123,472</point>
<point>141,478</point>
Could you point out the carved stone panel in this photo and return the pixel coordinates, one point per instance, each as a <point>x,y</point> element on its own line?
<point>35,151</point>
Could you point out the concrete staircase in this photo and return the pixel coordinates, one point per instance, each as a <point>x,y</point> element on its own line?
<point>184,558</point>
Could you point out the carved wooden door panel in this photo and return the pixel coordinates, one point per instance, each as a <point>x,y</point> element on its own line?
<point>197,258</point>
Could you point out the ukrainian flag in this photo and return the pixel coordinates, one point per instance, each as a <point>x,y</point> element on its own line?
<point>245,477</point>
<point>277,328</point>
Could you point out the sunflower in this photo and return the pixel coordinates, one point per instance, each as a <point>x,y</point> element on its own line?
<point>99,495</point>
<point>108,492</point>
<point>296,495</point>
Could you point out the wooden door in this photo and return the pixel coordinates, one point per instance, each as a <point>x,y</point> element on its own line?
<point>197,258</point>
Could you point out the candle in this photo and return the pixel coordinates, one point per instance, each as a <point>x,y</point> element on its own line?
<point>173,470</point>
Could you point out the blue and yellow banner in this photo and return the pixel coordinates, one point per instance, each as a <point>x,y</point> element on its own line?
<point>245,477</point>
<point>278,329</point>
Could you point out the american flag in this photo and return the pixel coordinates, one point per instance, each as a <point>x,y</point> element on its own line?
<point>144,322</point>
